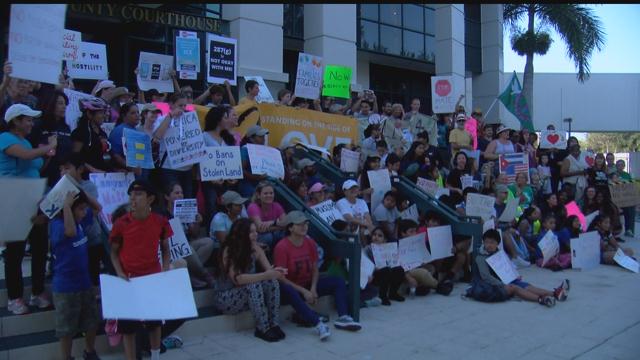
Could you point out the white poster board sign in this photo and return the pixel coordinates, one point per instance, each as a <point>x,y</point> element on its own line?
<point>154,72</point>
<point>503,267</point>
<point>328,211</point>
<point>70,44</point>
<point>264,95</point>
<point>35,32</point>
<point>91,62</point>
<point>222,55</point>
<point>444,94</point>
<point>54,200</point>
<point>265,160</point>
<point>184,142</point>
<point>466,181</point>
<point>178,244</point>
<point>430,187</point>
<point>412,252</point>
<point>112,192</point>
<point>20,197</point>
<point>185,210</point>
<point>585,251</point>
<point>411,213</point>
<point>510,210</point>
<point>549,246</point>
<point>385,255</point>
<point>440,242</point>
<point>187,54</point>
<point>479,205</point>
<point>221,163</point>
<point>367,267</point>
<point>588,219</point>
<point>308,76</point>
<point>349,160</point>
<point>380,182</point>
<point>552,139</point>
<point>72,112</point>
<point>626,261</point>
<point>142,296</point>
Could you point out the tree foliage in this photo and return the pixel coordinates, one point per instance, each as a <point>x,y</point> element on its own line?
<point>613,142</point>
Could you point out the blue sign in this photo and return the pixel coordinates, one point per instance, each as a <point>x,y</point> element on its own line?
<point>138,149</point>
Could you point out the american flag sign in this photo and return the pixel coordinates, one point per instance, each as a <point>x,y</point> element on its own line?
<point>512,164</point>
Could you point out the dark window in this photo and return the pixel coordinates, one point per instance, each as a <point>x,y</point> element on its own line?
<point>214,11</point>
<point>405,30</point>
<point>473,38</point>
<point>293,21</point>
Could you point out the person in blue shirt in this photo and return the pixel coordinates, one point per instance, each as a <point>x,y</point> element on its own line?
<point>75,304</point>
<point>129,119</point>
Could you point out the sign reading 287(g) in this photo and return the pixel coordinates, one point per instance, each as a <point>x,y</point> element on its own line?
<point>222,59</point>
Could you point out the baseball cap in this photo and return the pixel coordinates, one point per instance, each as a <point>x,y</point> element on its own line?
<point>305,162</point>
<point>141,185</point>
<point>461,117</point>
<point>317,187</point>
<point>256,130</point>
<point>295,217</point>
<point>16,110</point>
<point>232,197</point>
<point>349,184</point>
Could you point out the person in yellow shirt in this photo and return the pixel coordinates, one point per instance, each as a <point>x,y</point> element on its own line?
<point>253,89</point>
<point>459,138</point>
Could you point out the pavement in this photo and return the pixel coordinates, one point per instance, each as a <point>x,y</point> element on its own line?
<point>600,320</point>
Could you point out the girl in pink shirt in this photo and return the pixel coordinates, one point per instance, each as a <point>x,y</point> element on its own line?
<point>267,214</point>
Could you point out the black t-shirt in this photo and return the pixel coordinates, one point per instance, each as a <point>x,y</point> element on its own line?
<point>40,136</point>
<point>454,178</point>
<point>94,145</point>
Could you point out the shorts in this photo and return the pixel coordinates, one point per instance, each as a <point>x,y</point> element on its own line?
<point>520,283</point>
<point>75,312</point>
<point>126,327</point>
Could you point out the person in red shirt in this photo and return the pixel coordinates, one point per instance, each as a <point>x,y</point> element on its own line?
<point>134,240</point>
<point>302,285</point>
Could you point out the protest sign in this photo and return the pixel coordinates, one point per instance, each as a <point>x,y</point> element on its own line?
<point>221,163</point>
<point>466,181</point>
<point>503,267</point>
<point>142,294</point>
<point>411,213</point>
<point>442,191</point>
<point>549,246</point>
<point>20,197</point>
<point>479,205</point>
<point>308,76</point>
<point>367,267</point>
<point>70,44</point>
<point>265,160</point>
<point>164,110</point>
<point>440,241</point>
<point>585,251</point>
<point>185,210</point>
<point>184,141</point>
<point>412,252</point>
<point>552,139</point>
<point>337,81</point>
<point>187,55</point>
<point>573,209</point>
<point>488,225</point>
<point>626,261</point>
<point>34,37</point>
<point>54,200</point>
<point>385,255</point>
<point>328,211</point>
<point>137,149</point>
<point>91,62</point>
<point>264,95</point>
<point>625,194</point>
<point>107,128</point>
<point>430,187</point>
<point>72,112</point>
<point>513,164</point>
<point>324,152</point>
<point>589,219</point>
<point>510,210</point>
<point>444,94</point>
<point>223,59</point>
<point>154,72</point>
<point>349,160</point>
<point>112,192</point>
<point>380,182</point>
<point>178,243</point>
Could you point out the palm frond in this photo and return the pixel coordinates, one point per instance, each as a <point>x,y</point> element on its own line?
<point>513,14</point>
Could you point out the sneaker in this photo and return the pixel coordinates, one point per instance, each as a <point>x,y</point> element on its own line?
<point>566,285</point>
<point>40,301</point>
<point>172,342</point>
<point>346,322</point>
<point>547,301</point>
<point>90,356</point>
<point>520,262</point>
<point>268,336</point>
<point>17,307</point>
<point>279,333</point>
<point>323,331</point>
<point>559,293</point>
<point>376,301</point>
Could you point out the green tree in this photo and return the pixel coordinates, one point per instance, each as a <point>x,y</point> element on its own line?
<point>613,142</point>
<point>576,24</point>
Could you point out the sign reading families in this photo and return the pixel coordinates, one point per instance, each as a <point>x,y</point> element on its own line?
<point>34,37</point>
<point>479,205</point>
<point>264,95</point>
<point>184,142</point>
<point>337,81</point>
<point>137,146</point>
<point>187,55</point>
<point>552,139</point>
<point>154,72</point>
<point>223,59</point>
<point>443,94</point>
<point>185,210</point>
<point>328,211</point>
<point>20,197</point>
<point>625,194</point>
<point>54,200</point>
<point>221,163</point>
<point>503,267</point>
<point>70,44</point>
<point>91,62</point>
<point>265,160</point>
<point>112,192</point>
<point>309,76</point>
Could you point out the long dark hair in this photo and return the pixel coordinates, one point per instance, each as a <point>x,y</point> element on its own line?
<point>364,176</point>
<point>238,247</point>
<point>49,120</point>
<point>410,156</point>
<point>213,119</point>
<point>124,109</point>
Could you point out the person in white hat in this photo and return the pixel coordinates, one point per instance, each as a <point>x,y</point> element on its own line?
<point>353,209</point>
<point>104,89</point>
<point>19,159</point>
<point>501,145</point>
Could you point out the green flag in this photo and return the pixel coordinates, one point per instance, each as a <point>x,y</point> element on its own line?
<point>515,102</point>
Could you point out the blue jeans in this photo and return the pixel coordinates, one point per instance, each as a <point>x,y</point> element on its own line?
<point>184,178</point>
<point>330,285</point>
<point>629,218</point>
<point>271,238</point>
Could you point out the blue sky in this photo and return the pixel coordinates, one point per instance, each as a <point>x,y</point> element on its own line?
<point>620,54</point>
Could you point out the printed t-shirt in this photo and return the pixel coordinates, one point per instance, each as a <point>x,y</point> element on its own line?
<point>70,259</point>
<point>358,210</point>
<point>298,260</point>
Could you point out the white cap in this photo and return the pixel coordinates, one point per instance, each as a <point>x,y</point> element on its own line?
<point>349,184</point>
<point>16,110</point>
<point>105,84</point>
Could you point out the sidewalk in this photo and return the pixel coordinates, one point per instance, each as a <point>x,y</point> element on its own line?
<point>600,320</point>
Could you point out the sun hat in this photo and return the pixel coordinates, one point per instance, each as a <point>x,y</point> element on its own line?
<point>104,84</point>
<point>119,91</point>
<point>16,110</point>
<point>502,128</point>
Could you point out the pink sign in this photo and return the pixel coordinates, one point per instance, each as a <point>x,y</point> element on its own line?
<point>164,107</point>
<point>573,209</point>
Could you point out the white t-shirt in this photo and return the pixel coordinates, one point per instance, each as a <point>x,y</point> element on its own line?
<point>163,149</point>
<point>357,210</point>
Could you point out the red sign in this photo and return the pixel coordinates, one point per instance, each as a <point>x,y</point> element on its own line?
<point>443,87</point>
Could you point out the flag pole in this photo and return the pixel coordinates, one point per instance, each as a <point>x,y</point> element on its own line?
<point>490,107</point>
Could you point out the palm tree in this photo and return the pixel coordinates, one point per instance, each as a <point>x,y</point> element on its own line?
<point>576,24</point>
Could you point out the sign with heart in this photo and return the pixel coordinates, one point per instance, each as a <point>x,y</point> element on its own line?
<point>551,139</point>
<point>589,158</point>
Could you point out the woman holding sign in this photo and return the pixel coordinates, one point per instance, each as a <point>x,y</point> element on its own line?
<point>19,159</point>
